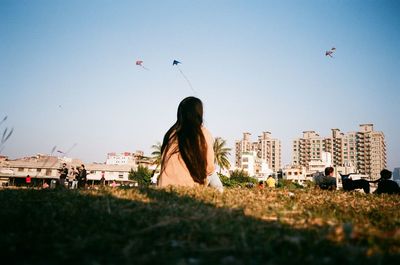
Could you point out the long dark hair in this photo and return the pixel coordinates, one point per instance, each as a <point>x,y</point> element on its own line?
<point>191,142</point>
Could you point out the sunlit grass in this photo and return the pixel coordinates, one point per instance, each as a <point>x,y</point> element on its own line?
<point>198,226</point>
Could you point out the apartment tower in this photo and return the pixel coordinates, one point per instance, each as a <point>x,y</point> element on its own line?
<point>365,149</point>
<point>266,147</point>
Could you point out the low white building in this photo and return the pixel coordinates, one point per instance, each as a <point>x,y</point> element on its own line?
<point>125,158</point>
<point>300,174</point>
<point>255,166</point>
<point>46,167</point>
<point>296,173</point>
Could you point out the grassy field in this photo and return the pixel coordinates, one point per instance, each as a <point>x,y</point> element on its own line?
<point>198,226</point>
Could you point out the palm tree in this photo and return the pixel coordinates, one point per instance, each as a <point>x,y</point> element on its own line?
<point>221,154</point>
<point>156,154</point>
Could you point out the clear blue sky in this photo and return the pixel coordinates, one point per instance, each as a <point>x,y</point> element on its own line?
<point>257,66</point>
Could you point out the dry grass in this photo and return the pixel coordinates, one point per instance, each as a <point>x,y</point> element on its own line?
<point>198,226</point>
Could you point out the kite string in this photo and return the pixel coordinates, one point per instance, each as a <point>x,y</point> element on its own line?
<point>184,76</point>
<point>46,160</point>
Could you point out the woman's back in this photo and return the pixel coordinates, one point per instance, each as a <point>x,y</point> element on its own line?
<point>174,170</point>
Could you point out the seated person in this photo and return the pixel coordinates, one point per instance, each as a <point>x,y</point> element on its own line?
<point>271,182</point>
<point>327,182</point>
<point>187,155</point>
<point>385,185</point>
<point>261,184</point>
<point>349,184</point>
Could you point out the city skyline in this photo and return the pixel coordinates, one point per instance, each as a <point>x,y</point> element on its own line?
<point>68,72</point>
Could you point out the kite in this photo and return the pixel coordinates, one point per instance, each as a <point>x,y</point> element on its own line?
<point>330,52</point>
<point>4,119</point>
<point>140,63</point>
<point>176,63</point>
<point>68,151</point>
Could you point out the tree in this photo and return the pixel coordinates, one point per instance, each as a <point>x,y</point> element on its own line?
<point>142,175</point>
<point>221,154</point>
<point>156,154</point>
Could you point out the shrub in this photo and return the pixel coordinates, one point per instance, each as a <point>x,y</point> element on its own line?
<point>285,183</point>
<point>142,176</point>
<point>238,178</point>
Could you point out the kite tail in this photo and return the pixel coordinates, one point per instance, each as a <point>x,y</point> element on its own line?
<point>3,120</point>
<point>145,68</point>
<point>184,76</point>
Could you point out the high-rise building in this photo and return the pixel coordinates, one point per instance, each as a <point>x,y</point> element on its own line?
<point>242,146</point>
<point>371,151</point>
<point>267,148</point>
<point>307,148</point>
<point>364,150</point>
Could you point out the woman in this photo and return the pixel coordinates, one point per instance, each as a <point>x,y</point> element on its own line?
<point>187,149</point>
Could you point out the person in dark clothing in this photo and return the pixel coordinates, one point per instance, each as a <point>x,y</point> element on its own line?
<point>327,182</point>
<point>63,174</point>
<point>102,180</point>
<point>349,184</point>
<point>83,176</point>
<point>385,185</point>
<point>77,174</point>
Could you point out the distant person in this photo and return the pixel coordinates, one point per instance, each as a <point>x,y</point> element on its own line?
<point>187,150</point>
<point>327,182</point>
<point>63,174</point>
<point>385,185</point>
<point>271,182</point>
<point>28,181</point>
<point>102,180</point>
<point>83,176</point>
<point>73,178</point>
<point>45,185</point>
<point>261,185</point>
<point>77,175</point>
